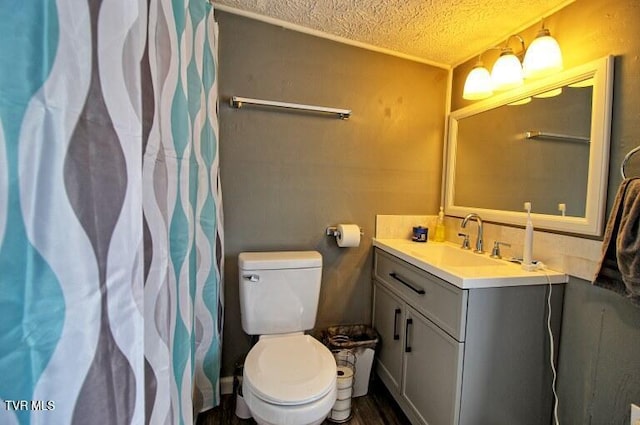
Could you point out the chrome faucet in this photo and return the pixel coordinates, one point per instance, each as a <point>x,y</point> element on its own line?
<point>476,217</point>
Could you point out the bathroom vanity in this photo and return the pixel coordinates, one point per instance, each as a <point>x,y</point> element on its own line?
<point>463,337</point>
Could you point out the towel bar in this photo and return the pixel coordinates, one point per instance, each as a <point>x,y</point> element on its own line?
<point>239,102</point>
<point>626,159</point>
<point>533,134</point>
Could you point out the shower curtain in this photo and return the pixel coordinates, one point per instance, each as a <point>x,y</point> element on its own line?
<point>110,212</point>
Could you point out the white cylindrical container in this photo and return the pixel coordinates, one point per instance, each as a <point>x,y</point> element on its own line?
<point>242,410</point>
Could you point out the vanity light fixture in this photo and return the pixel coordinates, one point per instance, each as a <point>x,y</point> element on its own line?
<point>505,74</point>
<point>542,58</point>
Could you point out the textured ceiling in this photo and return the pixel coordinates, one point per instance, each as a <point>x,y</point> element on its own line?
<point>444,32</point>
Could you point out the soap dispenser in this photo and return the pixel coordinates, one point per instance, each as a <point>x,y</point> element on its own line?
<point>527,263</point>
<point>440,236</point>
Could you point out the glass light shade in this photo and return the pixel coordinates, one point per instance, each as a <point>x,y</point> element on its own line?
<point>507,71</point>
<point>543,56</point>
<point>478,84</point>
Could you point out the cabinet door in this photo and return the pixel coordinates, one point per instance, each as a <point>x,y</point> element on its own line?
<point>388,316</point>
<point>432,371</point>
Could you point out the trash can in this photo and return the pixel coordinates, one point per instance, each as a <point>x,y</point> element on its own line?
<point>362,341</point>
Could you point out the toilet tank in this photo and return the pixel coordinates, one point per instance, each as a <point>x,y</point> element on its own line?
<point>279,291</point>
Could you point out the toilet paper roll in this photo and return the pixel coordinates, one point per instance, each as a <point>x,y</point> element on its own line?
<point>348,235</point>
<point>344,393</point>
<point>342,404</point>
<point>345,377</point>
<point>340,415</point>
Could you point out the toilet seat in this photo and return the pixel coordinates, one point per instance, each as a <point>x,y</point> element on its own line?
<point>289,370</point>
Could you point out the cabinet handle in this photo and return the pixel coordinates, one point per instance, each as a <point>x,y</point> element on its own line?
<point>396,335</point>
<point>407,347</point>
<point>418,290</point>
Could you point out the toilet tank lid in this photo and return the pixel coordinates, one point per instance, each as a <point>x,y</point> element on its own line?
<point>279,260</point>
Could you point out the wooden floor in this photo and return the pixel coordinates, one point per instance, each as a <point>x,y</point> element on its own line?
<point>376,408</point>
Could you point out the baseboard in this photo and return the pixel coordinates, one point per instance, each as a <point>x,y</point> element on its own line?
<point>226,385</point>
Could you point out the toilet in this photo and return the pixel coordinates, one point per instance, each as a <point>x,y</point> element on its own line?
<point>289,378</point>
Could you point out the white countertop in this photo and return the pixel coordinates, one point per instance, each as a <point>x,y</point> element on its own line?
<point>463,268</point>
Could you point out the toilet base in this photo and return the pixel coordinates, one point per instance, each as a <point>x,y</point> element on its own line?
<point>313,413</point>
<point>261,422</point>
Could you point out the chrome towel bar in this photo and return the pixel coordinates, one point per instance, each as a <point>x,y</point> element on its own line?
<point>239,102</point>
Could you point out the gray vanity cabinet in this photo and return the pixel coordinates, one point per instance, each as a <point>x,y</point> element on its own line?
<point>430,374</point>
<point>462,357</point>
<point>389,318</point>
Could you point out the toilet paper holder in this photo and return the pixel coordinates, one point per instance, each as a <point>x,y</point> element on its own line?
<point>333,231</point>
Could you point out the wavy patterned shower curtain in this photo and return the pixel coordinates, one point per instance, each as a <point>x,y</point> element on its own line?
<point>110,212</point>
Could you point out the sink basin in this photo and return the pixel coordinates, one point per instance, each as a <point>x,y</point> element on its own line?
<point>463,268</point>
<point>446,255</point>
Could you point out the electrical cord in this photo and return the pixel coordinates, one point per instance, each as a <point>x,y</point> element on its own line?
<point>551,349</point>
<point>539,265</point>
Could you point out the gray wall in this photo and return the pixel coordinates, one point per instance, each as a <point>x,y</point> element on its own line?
<point>286,176</point>
<point>599,371</point>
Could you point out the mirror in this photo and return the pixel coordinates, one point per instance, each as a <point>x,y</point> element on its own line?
<point>546,142</point>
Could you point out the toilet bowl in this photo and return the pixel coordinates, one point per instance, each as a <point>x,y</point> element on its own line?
<point>289,379</point>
